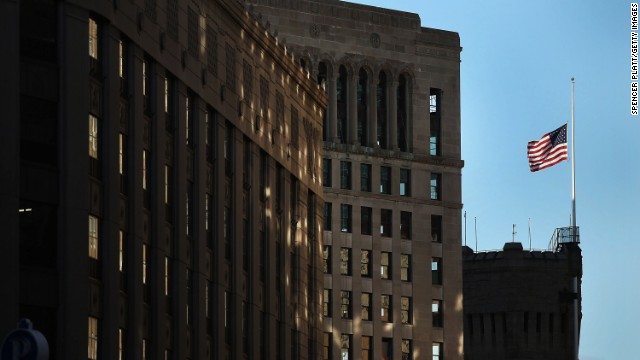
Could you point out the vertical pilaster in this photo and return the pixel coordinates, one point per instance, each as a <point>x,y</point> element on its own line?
<point>392,96</point>
<point>373,111</point>
<point>352,117</point>
<point>332,113</point>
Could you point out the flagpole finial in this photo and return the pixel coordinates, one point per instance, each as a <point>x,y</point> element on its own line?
<point>572,79</point>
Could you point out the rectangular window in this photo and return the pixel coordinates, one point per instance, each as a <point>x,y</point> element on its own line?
<point>405,310</point>
<point>326,259</point>
<point>385,222</point>
<point>385,180</point>
<point>405,267</point>
<point>345,261</point>
<point>405,347</point>
<point>145,167</point>
<point>166,276</point>
<point>436,349</point>
<point>345,175</point>
<point>386,308</point>
<point>93,39</point>
<point>405,225</point>
<point>436,313</point>
<point>345,347</point>
<point>436,271</point>
<point>231,67</point>
<point>434,101</point>
<point>326,302</point>
<point>120,344</point>
<point>167,184</point>
<point>93,136</point>
<point>327,340</point>
<point>93,237</point>
<point>434,121</point>
<point>121,59</point>
<point>385,265</point>
<point>327,217</point>
<point>326,172</point>
<point>435,186</point>
<point>367,348</point>
<point>366,225</point>
<point>120,250</point>
<point>365,303</point>
<point>295,128</point>
<point>212,50</point>
<point>365,177</point>
<point>345,218</point>
<point>436,228</point>
<point>144,349</point>
<point>188,119</point>
<point>144,264</point>
<point>92,345</point>
<point>365,263</point>
<point>345,304</point>
<point>405,182</point>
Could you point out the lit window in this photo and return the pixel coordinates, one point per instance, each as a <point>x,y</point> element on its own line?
<point>93,39</point>
<point>121,154</point>
<point>345,347</point>
<point>405,309</point>
<point>405,346</point>
<point>405,267</point>
<point>121,251</point>
<point>326,259</point>
<point>365,302</point>
<point>120,59</point>
<point>326,303</point>
<point>345,304</point>
<point>385,309</point>
<point>93,237</point>
<point>345,261</point>
<point>144,349</point>
<point>436,348</point>
<point>385,265</point>
<point>435,186</point>
<point>93,136</point>
<point>145,159</point>
<point>92,345</point>
<point>120,344</point>
<point>166,276</point>
<point>365,263</point>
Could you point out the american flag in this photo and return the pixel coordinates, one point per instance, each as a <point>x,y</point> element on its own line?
<point>549,150</point>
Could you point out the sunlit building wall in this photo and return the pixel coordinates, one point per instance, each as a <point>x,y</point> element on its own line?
<point>161,182</point>
<point>391,176</point>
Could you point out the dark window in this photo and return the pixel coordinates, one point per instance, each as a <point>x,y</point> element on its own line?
<point>405,182</point>
<point>327,341</point>
<point>362,97</point>
<point>435,186</point>
<point>193,28</point>
<point>435,117</point>
<point>212,50</point>
<point>405,225</point>
<point>385,180</point>
<point>401,113</point>
<point>247,81</point>
<point>230,79</point>
<point>385,222</point>
<point>172,19</point>
<point>381,106</point>
<point>345,175</point>
<point>365,177</point>
<point>436,271</point>
<point>341,91</point>
<point>436,228</point>
<point>436,313</point>
<point>365,220</point>
<point>326,172</point>
<point>327,217</point>
<point>345,218</point>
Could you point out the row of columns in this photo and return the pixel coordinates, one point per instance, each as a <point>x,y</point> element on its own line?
<point>372,116</point>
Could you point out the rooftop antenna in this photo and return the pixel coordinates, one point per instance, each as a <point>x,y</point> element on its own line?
<point>465,228</point>
<point>530,234</point>
<point>475,220</point>
<point>513,233</point>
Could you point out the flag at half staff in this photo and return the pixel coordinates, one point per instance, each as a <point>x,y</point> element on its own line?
<point>549,150</point>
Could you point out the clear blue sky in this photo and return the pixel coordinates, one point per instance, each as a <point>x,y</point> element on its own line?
<point>517,61</point>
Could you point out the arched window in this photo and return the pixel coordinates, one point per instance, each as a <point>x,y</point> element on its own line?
<point>342,104</point>
<point>322,80</point>
<point>381,106</point>
<point>402,118</point>
<point>362,93</point>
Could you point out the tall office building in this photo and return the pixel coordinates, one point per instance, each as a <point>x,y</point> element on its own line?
<point>161,182</point>
<point>391,176</point>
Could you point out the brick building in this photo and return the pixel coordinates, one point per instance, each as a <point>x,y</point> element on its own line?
<point>391,175</point>
<point>160,171</point>
<point>518,304</point>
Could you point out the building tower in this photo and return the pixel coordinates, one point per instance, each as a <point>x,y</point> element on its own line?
<point>391,175</point>
<point>160,177</point>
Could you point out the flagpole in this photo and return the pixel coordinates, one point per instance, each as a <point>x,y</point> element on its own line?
<point>576,326</point>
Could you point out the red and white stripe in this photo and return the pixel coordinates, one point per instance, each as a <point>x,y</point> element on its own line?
<point>542,155</point>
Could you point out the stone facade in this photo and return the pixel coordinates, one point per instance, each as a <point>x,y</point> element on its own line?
<point>161,193</point>
<point>519,304</point>
<point>391,175</point>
